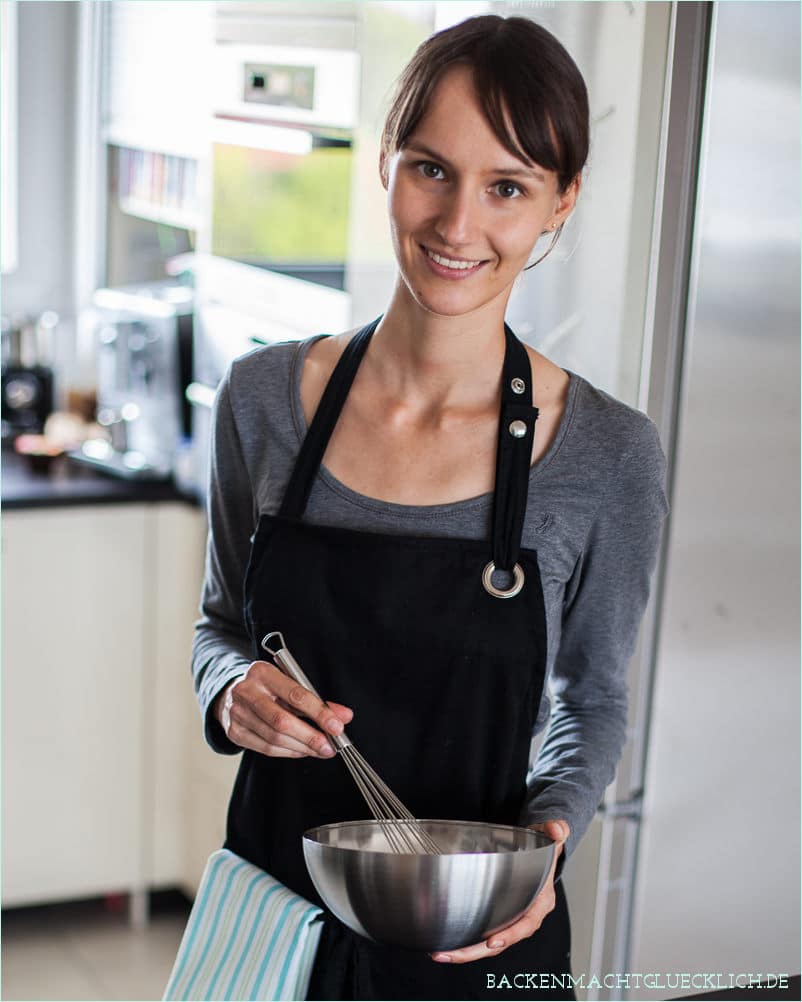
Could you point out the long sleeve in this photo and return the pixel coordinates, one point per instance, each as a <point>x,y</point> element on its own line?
<point>604,601</point>
<point>221,650</point>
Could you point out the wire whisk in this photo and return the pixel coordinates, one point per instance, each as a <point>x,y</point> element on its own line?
<point>403,831</point>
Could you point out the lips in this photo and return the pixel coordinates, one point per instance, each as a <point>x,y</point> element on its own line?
<point>449,267</point>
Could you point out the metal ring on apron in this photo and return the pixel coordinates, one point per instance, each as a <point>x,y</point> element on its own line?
<point>512,591</point>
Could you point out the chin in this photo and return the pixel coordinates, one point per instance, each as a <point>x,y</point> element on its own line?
<point>445,306</point>
<point>456,302</point>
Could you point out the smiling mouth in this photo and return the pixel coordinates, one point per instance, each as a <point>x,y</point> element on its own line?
<point>453,264</point>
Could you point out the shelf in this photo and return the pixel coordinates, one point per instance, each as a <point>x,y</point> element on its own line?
<point>172,143</point>
<point>181,218</point>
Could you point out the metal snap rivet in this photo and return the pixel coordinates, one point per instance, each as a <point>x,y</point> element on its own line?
<point>518,385</point>
<point>517,429</point>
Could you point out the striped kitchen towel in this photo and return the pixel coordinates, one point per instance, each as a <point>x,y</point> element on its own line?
<point>248,937</point>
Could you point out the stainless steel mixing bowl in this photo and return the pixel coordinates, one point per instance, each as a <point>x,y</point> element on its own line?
<point>486,876</point>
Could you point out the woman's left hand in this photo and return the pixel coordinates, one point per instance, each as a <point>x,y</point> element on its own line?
<point>531,919</point>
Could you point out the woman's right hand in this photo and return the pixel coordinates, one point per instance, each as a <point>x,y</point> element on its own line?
<point>262,711</point>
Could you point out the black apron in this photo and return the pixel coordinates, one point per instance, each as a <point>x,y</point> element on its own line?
<point>444,678</point>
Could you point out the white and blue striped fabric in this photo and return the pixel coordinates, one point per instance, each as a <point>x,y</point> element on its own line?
<point>248,937</point>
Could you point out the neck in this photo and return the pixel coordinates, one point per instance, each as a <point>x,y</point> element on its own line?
<point>438,360</point>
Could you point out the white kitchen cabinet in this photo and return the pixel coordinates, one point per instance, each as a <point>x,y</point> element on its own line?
<point>73,703</point>
<point>98,714</point>
<point>175,556</point>
<point>166,109</point>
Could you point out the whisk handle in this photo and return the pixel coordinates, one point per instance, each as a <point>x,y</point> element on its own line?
<point>290,667</point>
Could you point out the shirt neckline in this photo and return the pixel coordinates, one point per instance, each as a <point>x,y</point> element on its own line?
<point>378,504</point>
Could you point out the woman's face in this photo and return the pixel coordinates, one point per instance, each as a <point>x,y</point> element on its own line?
<point>464,212</point>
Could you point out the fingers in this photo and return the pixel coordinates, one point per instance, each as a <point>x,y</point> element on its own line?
<point>264,711</point>
<point>270,736</point>
<point>303,702</point>
<point>246,738</point>
<point>345,713</point>
<point>559,831</point>
<point>479,951</point>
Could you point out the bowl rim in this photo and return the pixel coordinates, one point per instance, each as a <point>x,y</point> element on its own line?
<point>547,843</point>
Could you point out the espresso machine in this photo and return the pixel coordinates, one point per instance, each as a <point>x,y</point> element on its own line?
<point>143,338</point>
<point>26,380</point>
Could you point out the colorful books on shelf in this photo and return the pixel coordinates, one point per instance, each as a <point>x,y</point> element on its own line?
<point>158,186</point>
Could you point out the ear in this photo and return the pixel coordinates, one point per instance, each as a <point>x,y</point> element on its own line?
<point>567,201</point>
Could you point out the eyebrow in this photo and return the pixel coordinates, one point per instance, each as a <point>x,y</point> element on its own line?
<point>527,172</point>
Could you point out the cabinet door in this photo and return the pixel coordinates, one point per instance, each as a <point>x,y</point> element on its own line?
<point>175,562</point>
<point>208,780</point>
<point>72,707</point>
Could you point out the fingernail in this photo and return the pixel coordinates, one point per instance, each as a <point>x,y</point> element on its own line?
<point>327,750</point>
<point>335,726</point>
<point>442,958</point>
<point>494,944</point>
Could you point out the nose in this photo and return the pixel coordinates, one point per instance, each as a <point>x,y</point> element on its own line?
<point>458,218</point>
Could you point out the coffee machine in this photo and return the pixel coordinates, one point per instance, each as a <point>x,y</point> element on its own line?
<point>143,338</point>
<point>26,380</point>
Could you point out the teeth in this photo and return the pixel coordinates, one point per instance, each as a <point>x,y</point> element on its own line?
<point>447,262</point>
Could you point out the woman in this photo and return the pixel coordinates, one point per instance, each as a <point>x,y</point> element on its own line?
<point>464,521</point>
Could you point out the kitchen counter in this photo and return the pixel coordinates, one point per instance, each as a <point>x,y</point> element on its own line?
<point>69,483</point>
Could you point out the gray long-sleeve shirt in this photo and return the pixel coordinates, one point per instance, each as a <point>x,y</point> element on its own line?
<point>596,503</point>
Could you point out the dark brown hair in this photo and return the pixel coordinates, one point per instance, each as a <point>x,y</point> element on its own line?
<point>531,91</point>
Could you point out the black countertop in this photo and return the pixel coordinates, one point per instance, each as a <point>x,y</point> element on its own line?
<point>69,483</point>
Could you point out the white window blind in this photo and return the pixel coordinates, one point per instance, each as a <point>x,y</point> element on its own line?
<point>8,136</point>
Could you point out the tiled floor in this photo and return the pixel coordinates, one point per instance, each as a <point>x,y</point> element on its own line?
<point>88,951</point>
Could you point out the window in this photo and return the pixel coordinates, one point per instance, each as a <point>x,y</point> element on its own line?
<point>8,136</point>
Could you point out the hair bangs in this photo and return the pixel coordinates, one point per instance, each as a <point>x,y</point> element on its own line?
<point>522,126</point>
<point>530,90</point>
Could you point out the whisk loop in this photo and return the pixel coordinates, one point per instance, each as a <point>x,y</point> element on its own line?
<point>402,830</point>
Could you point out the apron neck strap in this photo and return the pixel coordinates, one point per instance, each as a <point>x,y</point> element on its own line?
<point>515,435</point>
<point>516,432</point>
<point>328,411</point>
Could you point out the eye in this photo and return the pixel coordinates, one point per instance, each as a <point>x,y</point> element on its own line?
<point>429,170</point>
<point>508,190</point>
